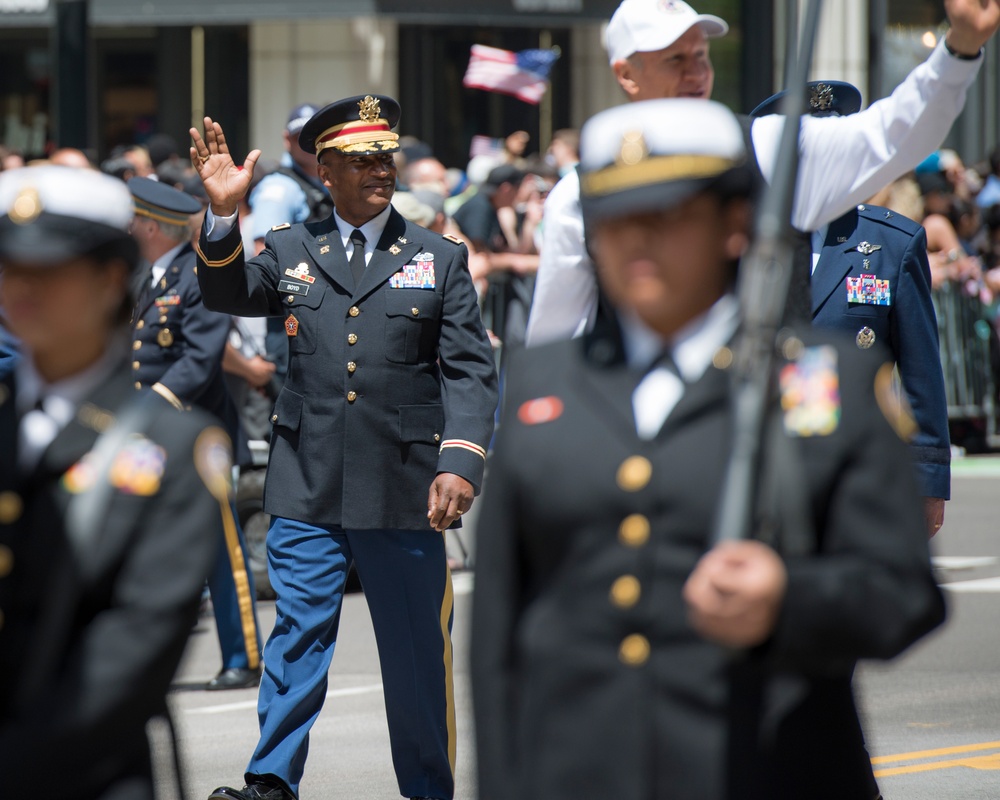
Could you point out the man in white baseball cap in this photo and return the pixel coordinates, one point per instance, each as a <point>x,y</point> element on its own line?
<point>660,49</point>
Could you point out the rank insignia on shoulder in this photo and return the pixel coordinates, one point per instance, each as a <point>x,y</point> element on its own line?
<point>893,404</point>
<point>281,227</point>
<point>540,410</point>
<point>213,458</point>
<point>291,325</point>
<point>810,393</point>
<point>452,238</point>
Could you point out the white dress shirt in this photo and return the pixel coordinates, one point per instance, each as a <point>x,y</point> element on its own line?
<point>46,408</point>
<point>692,350</point>
<point>164,261</point>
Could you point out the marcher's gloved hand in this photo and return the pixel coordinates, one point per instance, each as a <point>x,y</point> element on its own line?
<point>735,593</point>
<point>225,183</point>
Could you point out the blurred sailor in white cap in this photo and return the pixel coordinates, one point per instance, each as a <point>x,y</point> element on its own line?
<point>615,651</point>
<point>105,498</point>
<point>660,48</point>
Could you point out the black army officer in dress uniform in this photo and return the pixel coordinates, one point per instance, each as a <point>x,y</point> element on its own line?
<point>615,653</point>
<point>378,442</point>
<point>104,501</point>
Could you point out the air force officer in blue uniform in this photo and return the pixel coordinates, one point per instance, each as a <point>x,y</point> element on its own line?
<point>871,279</point>
<point>177,353</point>
<point>378,442</point>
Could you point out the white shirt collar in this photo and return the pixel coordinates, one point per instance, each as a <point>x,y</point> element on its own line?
<point>164,261</point>
<point>372,230</point>
<point>66,395</point>
<point>693,347</point>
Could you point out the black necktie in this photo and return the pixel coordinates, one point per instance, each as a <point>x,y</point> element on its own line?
<point>358,256</point>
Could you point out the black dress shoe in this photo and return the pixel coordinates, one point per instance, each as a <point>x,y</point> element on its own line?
<point>234,678</point>
<point>254,791</point>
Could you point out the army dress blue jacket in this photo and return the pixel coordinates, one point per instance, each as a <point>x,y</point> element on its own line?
<point>388,384</point>
<point>178,345</point>
<point>891,307</point>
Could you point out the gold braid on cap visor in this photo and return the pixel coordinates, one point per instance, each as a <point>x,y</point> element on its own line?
<point>348,135</point>
<point>619,177</point>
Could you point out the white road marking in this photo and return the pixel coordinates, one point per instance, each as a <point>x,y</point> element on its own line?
<point>375,687</point>
<point>963,562</point>
<point>981,585</point>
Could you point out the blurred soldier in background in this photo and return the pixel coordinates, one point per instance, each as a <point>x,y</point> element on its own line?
<point>177,351</point>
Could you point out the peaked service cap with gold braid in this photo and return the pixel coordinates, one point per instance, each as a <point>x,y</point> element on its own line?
<point>655,154</point>
<point>357,126</point>
<point>161,202</point>
<point>51,214</point>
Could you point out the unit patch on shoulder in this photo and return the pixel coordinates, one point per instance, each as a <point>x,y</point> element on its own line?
<point>452,238</point>
<point>281,227</point>
<point>810,393</point>
<point>138,467</point>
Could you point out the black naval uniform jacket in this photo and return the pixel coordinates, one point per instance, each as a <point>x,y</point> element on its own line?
<point>178,344</point>
<point>588,680</point>
<point>387,385</point>
<point>92,629</point>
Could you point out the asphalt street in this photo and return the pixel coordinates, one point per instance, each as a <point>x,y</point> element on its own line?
<point>932,716</point>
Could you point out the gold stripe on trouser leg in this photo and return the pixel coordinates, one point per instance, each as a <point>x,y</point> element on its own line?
<point>447,606</point>
<point>242,584</point>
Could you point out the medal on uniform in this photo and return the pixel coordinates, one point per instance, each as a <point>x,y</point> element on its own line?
<point>810,393</point>
<point>301,273</point>
<point>865,338</point>
<point>866,249</point>
<point>395,250</point>
<point>291,325</point>
<point>324,250</point>
<point>165,338</point>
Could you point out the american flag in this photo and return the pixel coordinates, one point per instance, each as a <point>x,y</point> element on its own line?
<point>523,74</point>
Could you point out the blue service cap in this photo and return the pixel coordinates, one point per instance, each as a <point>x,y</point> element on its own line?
<point>299,116</point>
<point>161,202</point>
<point>51,214</point>
<point>655,154</point>
<point>360,125</point>
<point>823,99</point>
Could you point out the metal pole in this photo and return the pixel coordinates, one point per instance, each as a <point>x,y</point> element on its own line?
<point>545,107</point>
<point>70,54</point>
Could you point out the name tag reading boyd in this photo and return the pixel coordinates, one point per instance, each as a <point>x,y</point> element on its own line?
<point>293,288</point>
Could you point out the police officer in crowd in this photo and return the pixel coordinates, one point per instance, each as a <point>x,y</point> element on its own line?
<point>178,346</point>
<point>378,440</point>
<point>871,279</point>
<point>615,651</point>
<point>660,49</point>
<point>105,500</point>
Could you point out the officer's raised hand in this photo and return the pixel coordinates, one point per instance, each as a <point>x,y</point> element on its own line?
<point>225,182</point>
<point>973,23</point>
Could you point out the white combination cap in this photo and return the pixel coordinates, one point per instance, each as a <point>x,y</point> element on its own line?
<point>51,213</point>
<point>642,26</point>
<point>654,154</point>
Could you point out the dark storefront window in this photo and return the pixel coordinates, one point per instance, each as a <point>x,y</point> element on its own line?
<point>25,80</point>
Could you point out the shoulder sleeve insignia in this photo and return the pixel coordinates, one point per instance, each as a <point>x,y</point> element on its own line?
<point>893,404</point>
<point>213,458</point>
<point>452,238</point>
<point>281,227</point>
